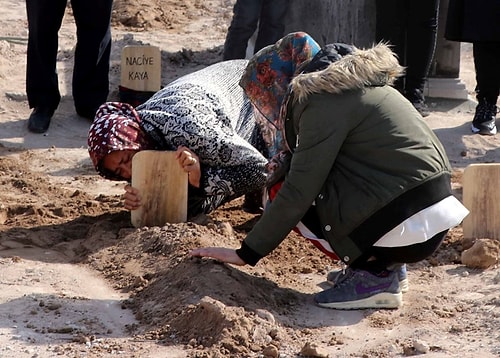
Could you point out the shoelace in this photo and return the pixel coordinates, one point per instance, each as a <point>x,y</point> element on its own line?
<point>345,277</point>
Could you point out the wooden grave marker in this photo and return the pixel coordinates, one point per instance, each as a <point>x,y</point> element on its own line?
<point>163,186</point>
<point>480,195</point>
<point>141,68</point>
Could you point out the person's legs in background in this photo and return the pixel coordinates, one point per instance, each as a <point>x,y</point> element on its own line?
<point>42,86</point>
<point>420,47</point>
<point>486,55</point>
<point>271,23</point>
<point>391,28</point>
<point>91,70</point>
<point>244,23</point>
<point>410,26</point>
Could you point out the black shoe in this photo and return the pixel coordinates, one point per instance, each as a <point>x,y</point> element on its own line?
<point>253,202</point>
<point>39,119</point>
<point>88,113</point>
<point>416,97</point>
<point>422,108</point>
<point>484,118</point>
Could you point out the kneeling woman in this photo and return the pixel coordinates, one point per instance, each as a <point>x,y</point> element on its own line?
<point>204,116</point>
<point>368,179</point>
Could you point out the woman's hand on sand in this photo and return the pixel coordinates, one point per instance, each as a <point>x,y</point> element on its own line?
<point>190,162</point>
<point>132,199</point>
<point>219,253</point>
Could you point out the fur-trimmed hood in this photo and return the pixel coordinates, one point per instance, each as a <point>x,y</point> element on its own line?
<point>375,66</point>
<point>299,63</point>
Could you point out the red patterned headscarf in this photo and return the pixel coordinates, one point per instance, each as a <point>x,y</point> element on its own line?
<point>115,127</point>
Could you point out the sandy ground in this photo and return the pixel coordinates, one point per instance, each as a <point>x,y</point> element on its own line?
<point>76,280</point>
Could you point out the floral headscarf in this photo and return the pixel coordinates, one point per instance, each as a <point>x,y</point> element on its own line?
<point>270,71</point>
<point>115,127</point>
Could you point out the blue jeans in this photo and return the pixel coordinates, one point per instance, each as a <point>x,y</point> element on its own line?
<point>270,17</point>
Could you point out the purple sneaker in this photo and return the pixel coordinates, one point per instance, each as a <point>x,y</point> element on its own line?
<point>404,286</point>
<point>359,289</point>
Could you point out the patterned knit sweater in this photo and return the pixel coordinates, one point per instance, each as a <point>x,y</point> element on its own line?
<point>208,112</point>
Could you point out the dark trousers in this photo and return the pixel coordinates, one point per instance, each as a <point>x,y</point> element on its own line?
<point>90,83</point>
<point>379,258</point>
<point>269,14</point>
<point>410,26</point>
<point>486,57</point>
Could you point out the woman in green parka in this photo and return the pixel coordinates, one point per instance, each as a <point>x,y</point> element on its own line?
<point>367,179</point>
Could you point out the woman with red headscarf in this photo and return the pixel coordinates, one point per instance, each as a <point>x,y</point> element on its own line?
<point>366,176</point>
<point>205,117</point>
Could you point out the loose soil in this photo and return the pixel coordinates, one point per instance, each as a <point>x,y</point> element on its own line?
<point>77,280</point>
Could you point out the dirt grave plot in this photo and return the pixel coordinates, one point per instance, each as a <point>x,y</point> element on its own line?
<point>77,280</point>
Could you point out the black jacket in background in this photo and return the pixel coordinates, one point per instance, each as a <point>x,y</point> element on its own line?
<point>473,21</point>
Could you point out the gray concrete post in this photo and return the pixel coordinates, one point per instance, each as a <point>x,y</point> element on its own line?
<point>444,81</point>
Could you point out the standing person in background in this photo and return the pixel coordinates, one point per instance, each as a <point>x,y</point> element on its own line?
<point>479,23</point>
<point>410,27</point>
<point>269,15</point>
<point>90,84</point>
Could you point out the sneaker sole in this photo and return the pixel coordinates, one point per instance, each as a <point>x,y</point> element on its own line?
<point>380,300</point>
<point>404,285</point>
